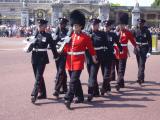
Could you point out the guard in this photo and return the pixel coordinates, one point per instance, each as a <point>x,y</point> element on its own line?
<point>125,37</point>
<point>144,41</point>
<point>113,40</point>
<point>40,59</point>
<point>61,76</point>
<point>75,50</point>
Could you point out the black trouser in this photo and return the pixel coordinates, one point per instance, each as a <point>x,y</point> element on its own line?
<point>121,64</point>
<point>106,72</point>
<point>75,87</point>
<point>93,87</point>
<point>141,60</point>
<point>114,68</point>
<point>61,76</point>
<point>39,85</point>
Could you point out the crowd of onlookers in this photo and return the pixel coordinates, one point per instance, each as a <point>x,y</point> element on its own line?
<point>20,31</point>
<point>13,30</point>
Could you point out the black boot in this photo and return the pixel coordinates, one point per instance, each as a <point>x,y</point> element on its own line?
<point>102,91</point>
<point>108,89</point>
<point>42,96</point>
<point>79,100</point>
<point>90,97</point>
<point>68,104</point>
<point>33,99</point>
<point>140,82</point>
<point>90,94</point>
<point>56,94</point>
<point>119,85</point>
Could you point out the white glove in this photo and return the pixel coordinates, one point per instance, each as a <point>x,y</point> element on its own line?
<point>148,55</point>
<point>121,52</point>
<point>66,39</point>
<point>54,36</point>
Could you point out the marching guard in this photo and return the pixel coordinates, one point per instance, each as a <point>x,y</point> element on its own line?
<point>75,50</point>
<point>40,59</point>
<point>125,37</point>
<point>101,46</point>
<point>113,40</point>
<point>61,76</point>
<point>144,41</point>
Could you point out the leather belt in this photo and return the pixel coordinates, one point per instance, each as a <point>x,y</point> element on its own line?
<point>123,45</point>
<point>39,50</point>
<point>100,48</point>
<point>76,53</point>
<point>138,43</point>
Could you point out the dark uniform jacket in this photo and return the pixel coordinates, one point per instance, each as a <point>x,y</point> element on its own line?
<point>113,39</point>
<point>143,39</point>
<point>43,40</point>
<point>99,40</point>
<point>61,33</point>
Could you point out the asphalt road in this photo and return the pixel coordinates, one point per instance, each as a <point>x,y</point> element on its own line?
<point>17,80</point>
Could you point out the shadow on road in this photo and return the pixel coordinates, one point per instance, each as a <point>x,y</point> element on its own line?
<point>131,93</point>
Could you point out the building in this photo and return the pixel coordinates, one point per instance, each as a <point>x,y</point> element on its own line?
<point>11,11</point>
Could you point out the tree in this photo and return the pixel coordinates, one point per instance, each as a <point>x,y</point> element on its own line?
<point>156,3</point>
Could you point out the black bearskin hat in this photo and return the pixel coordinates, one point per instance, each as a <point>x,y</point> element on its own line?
<point>77,17</point>
<point>124,18</point>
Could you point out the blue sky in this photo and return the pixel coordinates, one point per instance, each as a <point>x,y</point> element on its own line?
<point>132,2</point>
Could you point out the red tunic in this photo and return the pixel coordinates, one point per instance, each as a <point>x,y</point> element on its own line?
<point>125,36</point>
<point>78,44</point>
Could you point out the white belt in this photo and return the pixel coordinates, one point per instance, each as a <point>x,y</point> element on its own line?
<point>138,43</point>
<point>100,48</point>
<point>123,45</point>
<point>76,53</point>
<point>39,50</point>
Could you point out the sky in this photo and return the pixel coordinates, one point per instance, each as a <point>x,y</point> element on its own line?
<point>132,2</point>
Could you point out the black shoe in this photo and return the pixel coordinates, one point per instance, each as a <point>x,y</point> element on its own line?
<point>140,82</point>
<point>67,104</point>
<point>117,87</point>
<point>90,97</point>
<point>78,101</point>
<point>33,99</point>
<point>42,97</point>
<point>96,93</point>
<point>102,92</point>
<point>121,85</point>
<point>56,94</point>
<point>62,92</point>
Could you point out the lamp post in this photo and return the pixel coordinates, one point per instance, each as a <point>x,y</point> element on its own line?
<point>135,14</point>
<point>25,14</point>
<point>57,6</point>
<point>104,10</point>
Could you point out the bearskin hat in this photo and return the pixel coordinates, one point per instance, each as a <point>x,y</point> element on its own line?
<point>77,17</point>
<point>124,18</point>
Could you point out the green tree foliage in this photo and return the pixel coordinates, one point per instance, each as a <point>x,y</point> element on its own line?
<point>115,4</point>
<point>156,3</point>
